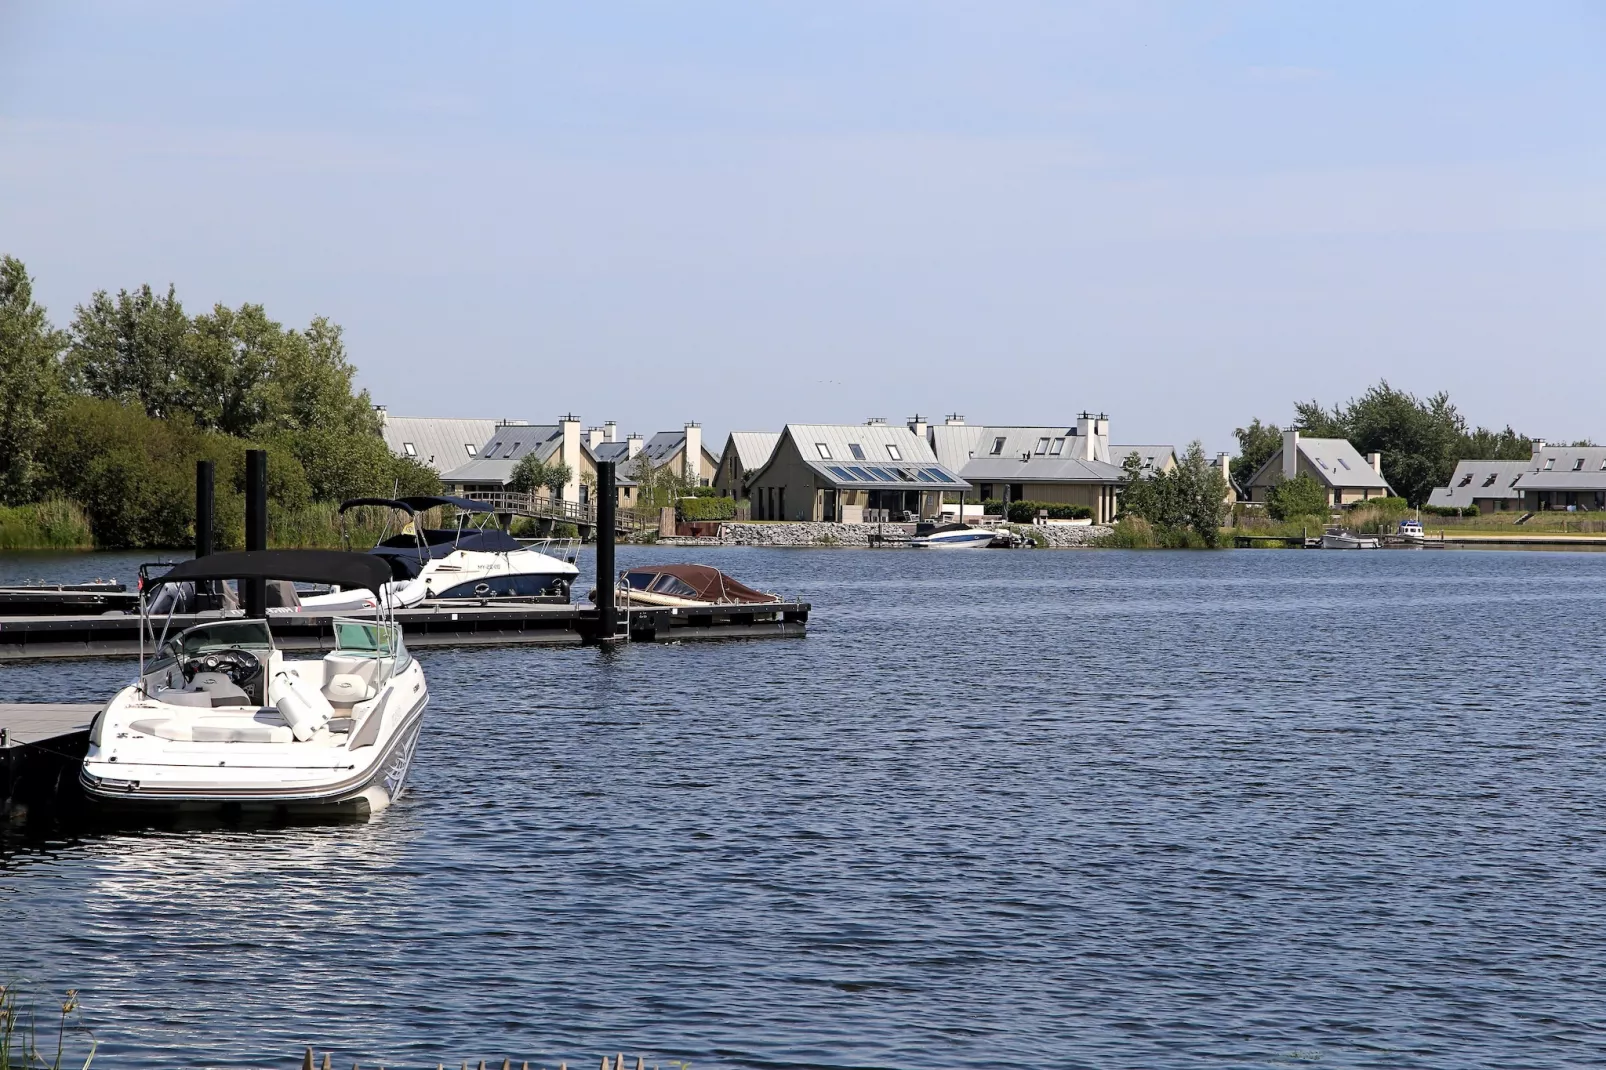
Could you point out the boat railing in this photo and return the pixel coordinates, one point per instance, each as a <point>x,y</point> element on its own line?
<point>564,549</point>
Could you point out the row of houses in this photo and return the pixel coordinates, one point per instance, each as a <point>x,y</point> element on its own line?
<point>1555,477</point>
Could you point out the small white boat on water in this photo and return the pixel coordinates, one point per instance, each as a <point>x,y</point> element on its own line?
<point>220,718</point>
<point>955,537</point>
<point>1412,531</point>
<point>1338,539</point>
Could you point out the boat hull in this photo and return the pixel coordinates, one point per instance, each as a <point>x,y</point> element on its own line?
<point>369,791</point>
<point>977,541</point>
<point>1349,542</point>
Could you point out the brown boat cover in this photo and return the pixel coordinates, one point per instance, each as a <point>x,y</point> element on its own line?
<point>711,584</point>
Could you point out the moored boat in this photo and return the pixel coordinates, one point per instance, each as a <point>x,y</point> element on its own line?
<point>1338,539</point>
<point>685,587</point>
<point>956,537</point>
<point>219,717</point>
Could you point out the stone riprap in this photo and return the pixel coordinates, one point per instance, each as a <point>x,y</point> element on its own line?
<point>825,534</point>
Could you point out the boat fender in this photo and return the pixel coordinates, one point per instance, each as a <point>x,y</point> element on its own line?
<point>303,708</point>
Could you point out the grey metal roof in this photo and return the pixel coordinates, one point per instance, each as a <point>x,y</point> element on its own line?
<point>509,444</point>
<point>611,451</point>
<point>664,445</point>
<point>753,448</point>
<point>1566,468</point>
<point>441,443</point>
<point>840,466</point>
<point>953,443</point>
<point>1336,463</point>
<point>1039,469</point>
<point>1480,479</point>
<point>1154,457</point>
<point>997,446</point>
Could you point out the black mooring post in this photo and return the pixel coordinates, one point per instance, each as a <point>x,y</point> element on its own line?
<point>254,593</point>
<point>607,498</point>
<point>203,508</point>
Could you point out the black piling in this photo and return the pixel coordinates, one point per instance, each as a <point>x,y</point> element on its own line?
<point>254,593</point>
<point>203,508</point>
<point>607,500</point>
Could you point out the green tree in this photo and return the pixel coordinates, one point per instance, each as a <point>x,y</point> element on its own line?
<point>1300,496</point>
<point>30,381</point>
<point>529,475</point>
<point>1192,497</point>
<point>1256,445</point>
<point>134,349</point>
<point>558,475</point>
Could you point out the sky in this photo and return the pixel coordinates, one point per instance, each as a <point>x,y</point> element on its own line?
<point>1183,215</point>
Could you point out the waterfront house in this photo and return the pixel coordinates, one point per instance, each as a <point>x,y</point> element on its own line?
<point>850,473</point>
<point>681,452</point>
<point>1065,464</point>
<point>1332,462</point>
<point>1491,486</point>
<point>1564,477</point>
<point>745,451</point>
<point>440,444</point>
<point>511,441</point>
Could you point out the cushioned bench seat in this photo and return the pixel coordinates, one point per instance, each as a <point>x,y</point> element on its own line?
<point>214,730</point>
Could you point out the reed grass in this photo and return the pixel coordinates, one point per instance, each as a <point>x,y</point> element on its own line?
<point>19,1033</point>
<point>56,524</point>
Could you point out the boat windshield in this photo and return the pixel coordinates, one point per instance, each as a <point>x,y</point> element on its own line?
<point>366,637</point>
<point>223,635</point>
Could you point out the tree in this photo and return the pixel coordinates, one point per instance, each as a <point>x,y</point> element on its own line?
<point>558,475</point>
<point>30,381</point>
<point>1300,496</point>
<point>529,475</point>
<point>1256,445</point>
<point>133,349</point>
<point>1191,497</point>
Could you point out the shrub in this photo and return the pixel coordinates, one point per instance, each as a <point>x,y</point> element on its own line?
<point>1300,496</point>
<point>56,524</point>
<point>1023,512</point>
<point>706,508</point>
<point>1450,510</point>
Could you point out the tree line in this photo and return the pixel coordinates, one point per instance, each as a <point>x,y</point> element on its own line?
<point>112,411</point>
<point>1420,439</point>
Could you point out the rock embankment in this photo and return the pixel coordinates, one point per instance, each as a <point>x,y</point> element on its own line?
<point>825,534</point>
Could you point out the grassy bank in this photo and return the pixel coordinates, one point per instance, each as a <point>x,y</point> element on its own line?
<point>61,525</point>
<point>51,525</point>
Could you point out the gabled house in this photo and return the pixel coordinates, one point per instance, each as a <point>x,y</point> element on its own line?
<point>1489,485</point>
<point>745,451</point>
<point>683,453</point>
<point>850,473</point>
<point>1071,465</point>
<point>492,469</point>
<point>1332,462</point>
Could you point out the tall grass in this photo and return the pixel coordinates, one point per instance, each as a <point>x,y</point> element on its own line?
<point>19,1040</point>
<point>55,524</point>
<point>1135,533</point>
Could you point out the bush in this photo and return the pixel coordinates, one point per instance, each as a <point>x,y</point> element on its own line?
<point>50,525</point>
<point>1382,505</point>
<point>1300,496</point>
<point>706,508</point>
<point>1023,512</point>
<point>1449,510</point>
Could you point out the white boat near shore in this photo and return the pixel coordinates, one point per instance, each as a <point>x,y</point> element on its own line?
<point>1336,539</point>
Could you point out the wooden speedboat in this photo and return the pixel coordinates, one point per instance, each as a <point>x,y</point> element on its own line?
<point>685,587</point>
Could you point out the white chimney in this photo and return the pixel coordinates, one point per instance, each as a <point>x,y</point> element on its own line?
<point>1539,447</point>
<point>633,446</point>
<point>694,453</point>
<point>612,428</point>
<point>955,419</point>
<point>570,455</point>
<point>1376,461</point>
<point>596,436</point>
<point>1092,438</point>
<point>876,421</point>
<point>1290,453</point>
<point>918,425</point>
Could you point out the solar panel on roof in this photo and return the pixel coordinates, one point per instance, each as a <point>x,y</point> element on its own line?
<point>842,473</point>
<point>883,474</point>
<point>863,474</point>
<point>925,476</point>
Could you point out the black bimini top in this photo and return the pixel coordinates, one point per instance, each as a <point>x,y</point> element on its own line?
<point>337,567</point>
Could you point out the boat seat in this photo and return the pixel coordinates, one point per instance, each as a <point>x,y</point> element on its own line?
<point>345,690</point>
<point>172,696</point>
<point>223,691</point>
<point>209,730</point>
<point>303,706</point>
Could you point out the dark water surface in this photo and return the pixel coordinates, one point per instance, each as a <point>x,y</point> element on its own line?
<point>1068,809</point>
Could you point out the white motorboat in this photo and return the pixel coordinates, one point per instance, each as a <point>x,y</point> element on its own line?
<point>221,718</point>
<point>472,562</point>
<point>684,587</point>
<point>956,537</point>
<point>1412,531</point>
<point>1338,539</point>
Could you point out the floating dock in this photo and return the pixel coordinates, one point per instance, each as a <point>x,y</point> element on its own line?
<point>117,635</point>
<point>41,747</point>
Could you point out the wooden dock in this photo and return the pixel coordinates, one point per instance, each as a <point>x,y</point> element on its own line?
<point>117,635</point>
<point>41,746</point>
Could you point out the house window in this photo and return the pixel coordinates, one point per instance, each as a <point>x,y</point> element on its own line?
<point>1467,480</point>
<point>1344,463</point>
<point>1487,482</point>
<point>1550,462</point>
<point>825,451</point>
<point>998,446</point>
<point>857,451</point>
<point>1579,465</point>
<point>512,450</point>
<point>473,451</point>
<point>407,448</point>
<point>892,451</point>
<point>1042,446</point>
<point>1057,446</point>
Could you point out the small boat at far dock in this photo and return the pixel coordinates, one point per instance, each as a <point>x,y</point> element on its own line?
<point>956,537</point>
<point>1339,539</point>
<point>685,587</point>
<point>1412,531</point>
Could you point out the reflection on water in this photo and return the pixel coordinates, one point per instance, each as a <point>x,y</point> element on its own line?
<point>1076,809</point>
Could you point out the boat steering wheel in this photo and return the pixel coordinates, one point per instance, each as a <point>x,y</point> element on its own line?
<point>237,665</point>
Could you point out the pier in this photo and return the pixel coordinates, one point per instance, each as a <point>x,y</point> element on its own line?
<point>41,746</point>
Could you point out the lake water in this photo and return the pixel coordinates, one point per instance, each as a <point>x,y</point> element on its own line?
<point>1074,809</point>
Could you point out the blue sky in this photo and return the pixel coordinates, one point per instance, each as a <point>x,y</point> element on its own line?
<point>1185,215</point>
